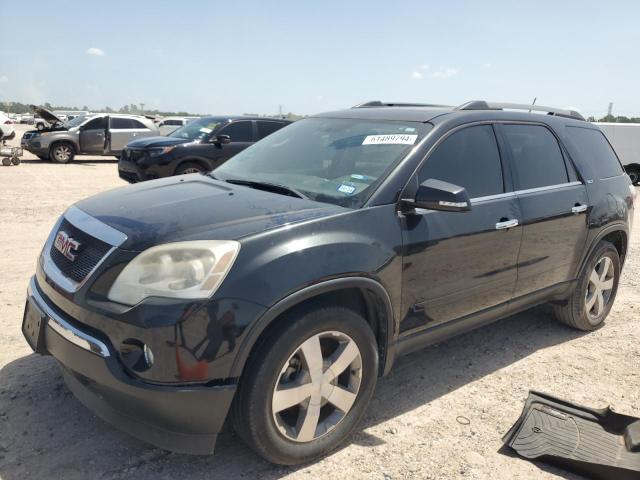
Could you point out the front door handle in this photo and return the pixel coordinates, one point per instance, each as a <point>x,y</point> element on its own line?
<point>507,224</point>
<point>579,209</point>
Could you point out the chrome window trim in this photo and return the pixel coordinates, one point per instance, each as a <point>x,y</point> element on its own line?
<point>90,226</point>
<point>547,187</point>
<point>64,328</point>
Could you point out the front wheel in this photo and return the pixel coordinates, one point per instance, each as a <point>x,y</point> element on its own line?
<point>62,152</point>
<point>307,386</point>
<point>634,175</point>
<point>591,301</point>
<point>189,167</point>
<point>40,127</point>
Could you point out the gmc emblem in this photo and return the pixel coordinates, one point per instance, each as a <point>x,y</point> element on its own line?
<point>66,245</point>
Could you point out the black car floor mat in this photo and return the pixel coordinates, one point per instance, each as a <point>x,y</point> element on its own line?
<point>597,443</point>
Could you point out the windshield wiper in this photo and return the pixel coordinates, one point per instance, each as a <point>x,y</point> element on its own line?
<point>268,186</point>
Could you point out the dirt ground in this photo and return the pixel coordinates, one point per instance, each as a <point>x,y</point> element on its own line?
<point>410,430</point>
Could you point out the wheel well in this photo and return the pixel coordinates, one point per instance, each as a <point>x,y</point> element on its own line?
<point>632,166</point>
<point>619,240</point>
<point>361,300</point>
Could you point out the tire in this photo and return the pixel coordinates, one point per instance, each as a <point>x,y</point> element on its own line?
<point>6,161</point>
<point>40,127</point>
<point>590,303</point>
<point>15,160</point>
<point>62,152</point>
<point>189,167</point>
<point>634,175</point>
<point>280,436</point>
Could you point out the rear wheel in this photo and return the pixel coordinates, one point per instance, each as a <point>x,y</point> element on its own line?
<point>595,292</point>
<point>189,167</point>
<point>62,152</point>
<point>40,127</point>
<point>634,175</point>
<point>307,386</point>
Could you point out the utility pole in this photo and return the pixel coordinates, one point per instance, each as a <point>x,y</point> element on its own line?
<point>610,109</point>
<point>280,111</point>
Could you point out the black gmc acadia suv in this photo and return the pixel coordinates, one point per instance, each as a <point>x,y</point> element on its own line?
<point>198,146</point>
<point>279,287</point>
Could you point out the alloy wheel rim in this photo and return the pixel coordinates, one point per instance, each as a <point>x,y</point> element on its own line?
<point>599,289</point>
<point>62,153</point>
<point>191,170</point>
<point>317,386</point>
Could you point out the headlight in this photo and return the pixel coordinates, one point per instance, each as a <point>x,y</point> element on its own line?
<point>161,150</point>
<point>187,270</point>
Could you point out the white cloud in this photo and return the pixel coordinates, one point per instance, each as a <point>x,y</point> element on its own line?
<point>445,73</point>
<point>4,79</point>
<point>416,75</point>
<point>424,66</point>
<point>486,65</point>
<point>96,52</point>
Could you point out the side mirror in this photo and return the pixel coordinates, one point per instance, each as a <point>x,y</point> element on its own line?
<point>222,139</point>
<point>435,194</point>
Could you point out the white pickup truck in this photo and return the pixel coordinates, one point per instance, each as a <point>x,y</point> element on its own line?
<point>625,138</point>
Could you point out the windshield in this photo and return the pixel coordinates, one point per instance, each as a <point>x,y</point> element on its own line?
<point>75,121</point>
<point>197,130</point>
<point>332,160</point>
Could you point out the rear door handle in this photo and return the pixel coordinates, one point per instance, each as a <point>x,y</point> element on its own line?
<point>507,224</point>
<point>579,209</point>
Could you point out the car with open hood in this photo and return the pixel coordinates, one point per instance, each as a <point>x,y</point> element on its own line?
<point>95,134</point>
<point>277,289</point>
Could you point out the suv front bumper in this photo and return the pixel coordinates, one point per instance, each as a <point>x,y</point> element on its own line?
<point>183,419</point>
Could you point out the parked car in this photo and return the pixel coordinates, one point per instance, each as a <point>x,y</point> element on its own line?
<point>99,134</point>
<point>171,124</point>
<point>625,138</point>
<point>27,118</point>
<point>198,146</point>
<point>278,288</point>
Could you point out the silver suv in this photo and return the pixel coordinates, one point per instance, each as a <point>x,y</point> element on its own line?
<point>97,134</point>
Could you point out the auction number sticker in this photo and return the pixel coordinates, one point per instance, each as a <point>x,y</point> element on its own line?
<point>397,139</point>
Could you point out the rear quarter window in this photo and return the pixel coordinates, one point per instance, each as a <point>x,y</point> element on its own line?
<point>593,148</point>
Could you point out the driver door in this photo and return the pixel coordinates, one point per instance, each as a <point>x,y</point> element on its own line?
<point>460,263</point>
<point>92,136</point>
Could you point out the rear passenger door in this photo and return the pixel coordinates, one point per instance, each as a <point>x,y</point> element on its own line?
<point>459,263</point>
<point>267,127</point>
<point>553,203</point>
<point>122,130</point>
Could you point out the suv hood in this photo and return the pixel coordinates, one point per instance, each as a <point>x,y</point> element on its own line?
<point>151,142</point>
<point>196,207</point>
<point>45,115</point>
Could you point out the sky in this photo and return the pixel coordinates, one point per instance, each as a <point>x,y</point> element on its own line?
<point>231,57</point>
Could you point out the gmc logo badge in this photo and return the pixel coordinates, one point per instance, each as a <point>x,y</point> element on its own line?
<point>66,245</point>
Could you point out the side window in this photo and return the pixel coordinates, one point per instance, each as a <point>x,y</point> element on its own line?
<point>119,123</point>
<point>593,148</point>
<point>468,158</point>
<point>99,123</point>
<point>267,128</point>
<point>239,131</point>
<point>136,124</point>
<point>537,158</point>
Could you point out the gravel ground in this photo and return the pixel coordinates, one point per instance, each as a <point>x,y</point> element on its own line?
<point>410,430</point>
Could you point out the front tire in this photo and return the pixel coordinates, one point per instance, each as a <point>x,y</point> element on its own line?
<point>634,175</point>
<point>308,384</point>
<point>591,301</point>
<point>40,127</point>
<point>62,152</point>
<point>189,167</point>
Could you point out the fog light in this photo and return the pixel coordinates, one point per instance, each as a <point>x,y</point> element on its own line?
<point>136,355</point>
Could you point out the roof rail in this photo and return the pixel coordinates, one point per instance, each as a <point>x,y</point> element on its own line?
<point>378,103</point>
<point>482,105</point>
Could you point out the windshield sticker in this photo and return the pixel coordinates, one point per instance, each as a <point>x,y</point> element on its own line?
<point>390,140</point>
<point>206,130</point>
<point>346,188</point>
<point>357,176</point>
